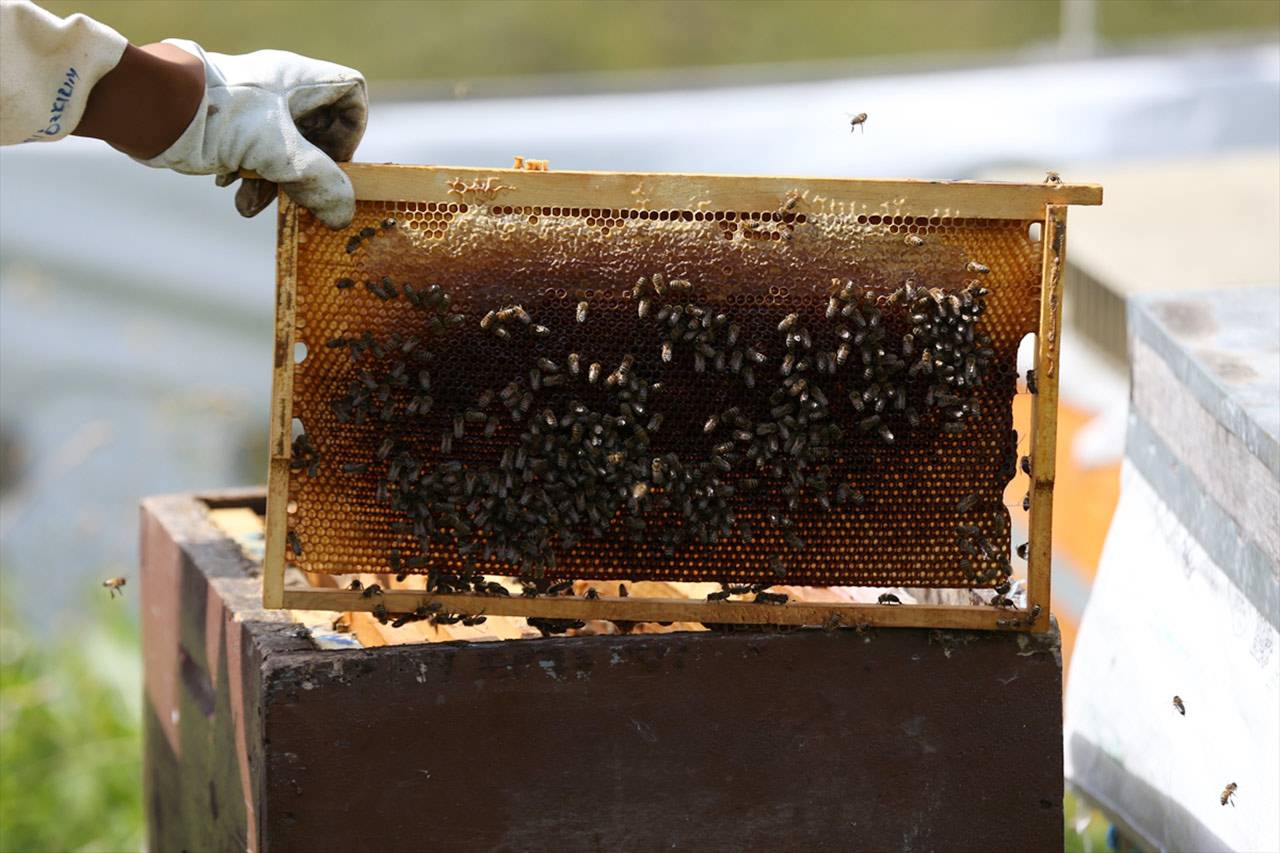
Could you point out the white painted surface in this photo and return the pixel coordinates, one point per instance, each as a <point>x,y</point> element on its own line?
<point>1162,621</point>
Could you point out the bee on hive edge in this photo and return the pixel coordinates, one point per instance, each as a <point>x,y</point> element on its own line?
<point>1052,177</point>
<point>115,585</point>
<point>888,598</point>
<point>1177,703</point>
<point>372,590</point>
<point>356,585</point>
<point>1227,793</point>
<point>857,121</point>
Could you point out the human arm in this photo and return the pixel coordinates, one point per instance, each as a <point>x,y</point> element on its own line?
<point>174,105</point>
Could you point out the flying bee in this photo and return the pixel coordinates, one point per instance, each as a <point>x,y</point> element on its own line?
<point>888,598</point>
<point>1177,703</point>
<point>1051,177</point>
<point>115,585</point>
<point>1227,793</point>
<point>856,121</point>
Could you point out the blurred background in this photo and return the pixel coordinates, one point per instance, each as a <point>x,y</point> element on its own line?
<point>135,305</point>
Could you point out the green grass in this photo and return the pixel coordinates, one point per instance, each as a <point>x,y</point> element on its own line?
<point>460,39</point>
<point>70,734</point>
<point>1092,838</point>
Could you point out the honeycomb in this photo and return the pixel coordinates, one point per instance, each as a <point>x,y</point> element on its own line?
<point>755,267</point>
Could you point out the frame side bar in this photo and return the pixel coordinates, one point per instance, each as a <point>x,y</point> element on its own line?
<point>281,428</point>
<point>1044,414</point>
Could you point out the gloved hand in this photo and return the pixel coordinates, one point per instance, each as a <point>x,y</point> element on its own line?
<point>284,116</point>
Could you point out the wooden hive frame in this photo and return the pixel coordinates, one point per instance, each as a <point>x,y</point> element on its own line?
<point>1042,203</point>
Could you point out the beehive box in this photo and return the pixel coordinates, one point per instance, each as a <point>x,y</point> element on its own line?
<point>553,376</point>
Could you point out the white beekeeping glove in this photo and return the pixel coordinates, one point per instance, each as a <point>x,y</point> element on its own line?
<point>284,116</point>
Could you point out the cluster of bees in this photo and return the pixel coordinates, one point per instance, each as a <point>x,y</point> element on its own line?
<point>573,445</point>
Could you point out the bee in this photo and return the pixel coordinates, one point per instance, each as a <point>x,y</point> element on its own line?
<point>1026,465</point>
<point>559,587</point>
<point>770,598</point>
<point>1227,793</point>
<point>294,543</point>
<point>718,596</point>
<point>469,621</point>
<point>1022,550</point>
<point>1031,381</point>
<point>380,613</point>
<point>1052,177</point>
<point>345,284</point>
<point>622,590</point>
<point>1177,703</point>
<point>581,313</point>
<point>913,240</point>
<point>356,585</point>
<point>856,121</point>
<point>1026,502</point>
<point>115,585</point>
<point>371,590</point>
<point>592,595</point>
<point>888,598</point>
<point>974,266</point>
<point>967,503</point>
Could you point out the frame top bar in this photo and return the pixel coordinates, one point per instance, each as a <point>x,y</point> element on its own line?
<point>658,190</point>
